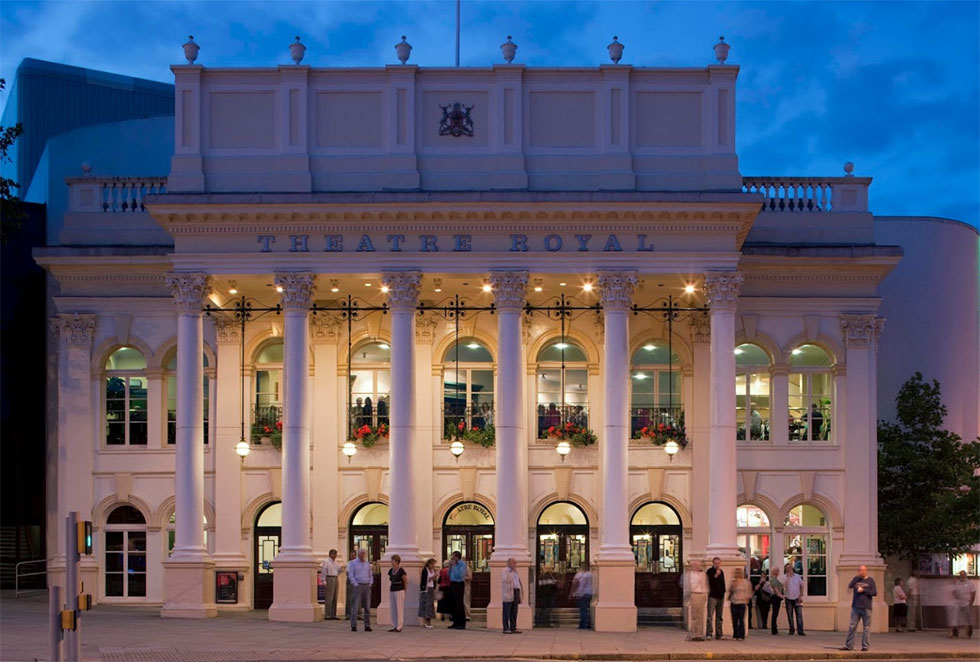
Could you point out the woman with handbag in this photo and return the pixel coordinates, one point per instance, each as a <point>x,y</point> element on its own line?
<point>427,590</point>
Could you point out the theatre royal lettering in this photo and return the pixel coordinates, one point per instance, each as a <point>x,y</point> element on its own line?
<point>454,243</point>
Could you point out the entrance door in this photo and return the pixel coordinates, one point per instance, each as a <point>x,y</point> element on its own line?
<point>268,533</point>
<point>656,534</point>
<point>563,543</point>
<point>468,529</point>
<point>369,531</point>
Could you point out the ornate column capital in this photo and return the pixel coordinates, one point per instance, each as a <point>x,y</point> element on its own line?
<point>861,330</point>
<point>616,289</point>
<point>509,289</point>
<point>403,289</point>
<point>227,331</point>
<point>425,328</point>
<point>700,326</point>
<point>325,328</point>
<point>721,288</point>
<point>298,289</point>
<point>75,329</point>
<point>190,289</point>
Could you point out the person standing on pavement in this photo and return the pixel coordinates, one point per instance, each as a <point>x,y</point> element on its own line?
<point>900,608</point>
<point>361,577</point>
<point>914,605</point>
<point>349,595</point>
<point>696,593</point>
<point>963,595</point>
<point>427,591</point>
<point>716,597</point>
<point>763,599</point>
<point>396,593</point>
<point>510,590</point>
<point>778,595</point>
<point>794,600</point>
<point>582,590</point>
<point>445,600</point>
<point>739,598</point>
<point>330,571</point>
<point>864,589</point>
<point>457,582</point>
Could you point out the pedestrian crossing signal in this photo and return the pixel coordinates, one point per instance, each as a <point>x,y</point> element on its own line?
<point>84,537</point>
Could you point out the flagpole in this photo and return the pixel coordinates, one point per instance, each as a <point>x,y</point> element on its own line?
<point>457,32</point>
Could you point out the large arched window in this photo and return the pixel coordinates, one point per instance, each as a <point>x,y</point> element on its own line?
<point>805,545</point>
<point>171,379</point>
<point>655,387</point>
<point>125,553</point>
<point>562,385</point>
<point>268,396</point>
<point>810,394</point>
<point>754,539</point>
<point>467,386</point>
<point>370,384</point>
<point>752,392</point>
<point>125,398</point>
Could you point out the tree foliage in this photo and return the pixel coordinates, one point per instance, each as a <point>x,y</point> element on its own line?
<point>11,212</point>
<point>928,478</point>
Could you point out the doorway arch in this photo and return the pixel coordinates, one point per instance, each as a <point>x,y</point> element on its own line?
<point>468,528</point>
<point>369,530</point>
<point>268,535</point>
<point>562,545</point>
<point>657,536</point>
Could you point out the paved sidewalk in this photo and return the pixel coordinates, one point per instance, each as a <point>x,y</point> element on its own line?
<point>138,634</point>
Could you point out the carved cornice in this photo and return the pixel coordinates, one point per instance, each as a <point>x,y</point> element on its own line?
<point>403,289</point>
<point>700,325</point>
<point>74,329</point>
<point>298,289</point>
<point>721,289</point>
<point>860,331</point>
<point>190,289</point>
<point>616,289</point>
<point>325,328</point>
<point>509,289</point>
<point>227,332</point>
<point>425,328</point>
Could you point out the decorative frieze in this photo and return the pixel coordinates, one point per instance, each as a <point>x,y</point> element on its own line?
<point>75,329</point>
<point>700,325</point>
<point>325,328</point>
<point>721,289</point>
<point>509,289</point>
<point>425,328</point>
<point>190,290</point>
<point>227,331</point>
<point>616,289</point>
<point>298,289</point>
<point>861,330</point>
<point>403,289</point>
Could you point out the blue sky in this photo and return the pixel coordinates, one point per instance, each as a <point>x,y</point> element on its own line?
<point>892,86</point>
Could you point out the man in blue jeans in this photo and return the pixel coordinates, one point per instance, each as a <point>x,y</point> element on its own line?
<point>793,587</point>
<point>864,591</point>
<point>582,591</point>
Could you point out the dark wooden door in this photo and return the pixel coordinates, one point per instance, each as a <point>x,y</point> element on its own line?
<point>560,551</point>
<point>267,540</point>
<point>657,550</point>
<point>375,540</point>
<point>475,543</point>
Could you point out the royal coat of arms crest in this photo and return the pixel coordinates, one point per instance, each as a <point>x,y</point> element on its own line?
<point>456,120</point>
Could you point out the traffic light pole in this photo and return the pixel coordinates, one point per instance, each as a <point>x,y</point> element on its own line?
<point>73,638</point>
<point>56,633</point>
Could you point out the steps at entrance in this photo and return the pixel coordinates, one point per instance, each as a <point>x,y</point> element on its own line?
<point>659,617</point>
<point>646,617</point>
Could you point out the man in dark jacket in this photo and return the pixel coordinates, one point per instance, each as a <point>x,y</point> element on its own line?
<point>865,590</point>
<point>716,596</point>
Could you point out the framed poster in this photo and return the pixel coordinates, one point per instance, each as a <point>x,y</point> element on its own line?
<point>226,587</point>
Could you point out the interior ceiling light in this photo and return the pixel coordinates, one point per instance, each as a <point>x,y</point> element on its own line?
<point>689,289</point>
<point>474,345</point>
<point>587,287</point>
<point>538,288</point>
<point>649,348</point>
<point>279,289</point>
<point>738,351</point>
<point>384,289</point>
<point>563,284</point>
<point>487,287</point>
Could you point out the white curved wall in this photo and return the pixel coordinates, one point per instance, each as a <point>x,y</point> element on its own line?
<point>931,301</point>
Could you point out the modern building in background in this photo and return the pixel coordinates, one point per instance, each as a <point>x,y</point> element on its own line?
<point>428,259</point>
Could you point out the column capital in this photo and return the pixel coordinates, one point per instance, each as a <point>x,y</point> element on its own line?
<point>616,289</point>
<point>425,328</point>
<point>325,328</point>
<point>298,289</point>
<point>190,289</point>
<point>778,368</point>
<point>75,329</point>
<point>721,288</point>
<point>227,332</point>
<point>403,288</point>
<point>509,289</point>
<point>700,326</point>
<point>861,330</point>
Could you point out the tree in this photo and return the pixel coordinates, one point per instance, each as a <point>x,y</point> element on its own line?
<point>11,212</point>
<point>928,478</point>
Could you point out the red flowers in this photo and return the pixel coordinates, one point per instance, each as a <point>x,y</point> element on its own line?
<point>462,425</point>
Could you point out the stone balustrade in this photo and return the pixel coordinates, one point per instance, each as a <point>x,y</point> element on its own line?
<point>810,194</point>
<point>112,194</point>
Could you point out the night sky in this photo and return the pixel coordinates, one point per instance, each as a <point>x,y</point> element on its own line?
<point>892,86</point>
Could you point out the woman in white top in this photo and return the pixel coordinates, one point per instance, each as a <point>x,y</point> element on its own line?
<point>899,609</point>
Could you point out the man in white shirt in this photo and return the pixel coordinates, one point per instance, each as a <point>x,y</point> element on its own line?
<point>511,596</point>
<point>912,590</point>
<point>794,600</point>
<point>330,569</point>
<point>696,596</point>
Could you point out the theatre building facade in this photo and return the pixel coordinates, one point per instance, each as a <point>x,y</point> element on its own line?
<point>514,312</point>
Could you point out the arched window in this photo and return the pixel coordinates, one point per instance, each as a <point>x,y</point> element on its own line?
<point>752,392</point>
<point>805,545</point>
<point>267,406</point>
<point>172,533</point>
<point>810,394</point>
<point>562,395</point>
<point>125,398</point>
<point>655,387</point>
<point>171,377</point>
<point>467,386</point>
<point>370,385</point>
<point>125,553</point>
<point>754,538</point>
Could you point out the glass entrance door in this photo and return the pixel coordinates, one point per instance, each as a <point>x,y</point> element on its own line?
<point>656,534</point>
<point>468,529</point>
<point>369,531</point>
<point>268,533</point>
<point>562,546</point>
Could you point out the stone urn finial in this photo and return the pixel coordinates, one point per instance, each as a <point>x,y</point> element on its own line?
<point>721,50</point>
<point>615,50</point>
<point>297,50</point>
<point>509,49</point>
<point>191,50</point>
<point>86,167</point>
<point>403,49</point>
<point>848,169</point>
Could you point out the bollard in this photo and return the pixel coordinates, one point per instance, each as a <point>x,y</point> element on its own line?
<point>55,633</point>
<point>73,638</point>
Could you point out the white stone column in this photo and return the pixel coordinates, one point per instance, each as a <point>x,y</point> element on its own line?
<point>860,460</point>
<point>403,298</point>
<point>698,431</point>
<point>294,589</point>
<point>615,610</point>
<point>428,429</point>
<point>227,464</point>
<point>779,404</point>
<point>510,525</point>
<point>189,586</point>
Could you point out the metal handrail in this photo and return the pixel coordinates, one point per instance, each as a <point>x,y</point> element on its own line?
<point>18,575</point>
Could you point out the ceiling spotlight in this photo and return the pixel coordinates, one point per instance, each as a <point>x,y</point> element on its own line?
<point>367,284</point>
<point>641,376</point>
<point>563,284</point>
<point>334,285</point>
<point>233,291</point>
<point>587,287</point>
<point>487,287</point>
<point>689,289</point>
<point>438,289</point>
<point>649,348</point>
<point>384,289</point>
<point>474,345</point>
<point>279,289</point>
<point>334,289</point>
<point>538,288</point>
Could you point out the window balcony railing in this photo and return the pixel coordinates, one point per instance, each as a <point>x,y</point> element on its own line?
<point>372,415</point>
<point>651,417</point>
<point>267,424</point>
<point>556,416</point>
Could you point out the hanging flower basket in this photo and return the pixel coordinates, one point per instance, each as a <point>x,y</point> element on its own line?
<point>368,436</point>
<point>661,433</point>
<point>577,435</point>
<point>486,436</point>
<point>268,434</point>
